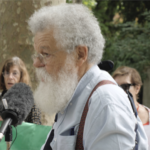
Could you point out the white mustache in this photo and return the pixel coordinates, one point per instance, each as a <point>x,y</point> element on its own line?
<point>42,75</point>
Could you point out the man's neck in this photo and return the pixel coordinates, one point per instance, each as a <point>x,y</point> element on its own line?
<point>82,70</point>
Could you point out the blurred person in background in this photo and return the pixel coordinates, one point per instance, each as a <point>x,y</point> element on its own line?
<point>14,71</point>
<point>130,80</point>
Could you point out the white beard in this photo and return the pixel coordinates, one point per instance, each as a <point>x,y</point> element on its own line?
<point>52,96</point>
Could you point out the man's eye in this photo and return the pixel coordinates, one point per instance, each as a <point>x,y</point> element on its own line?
<point>46,54</point>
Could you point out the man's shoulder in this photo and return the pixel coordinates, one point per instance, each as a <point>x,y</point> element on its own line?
<point>109,94</point>
<point>109,88</point>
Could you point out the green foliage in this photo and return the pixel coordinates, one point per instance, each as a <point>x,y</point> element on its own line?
<point>105,11</point>
<point>128,11</point>
<point>89,3</point>
<point>131,46</point>
<point>68,1</point>
<point>133,9</point>
<point>126,28</point>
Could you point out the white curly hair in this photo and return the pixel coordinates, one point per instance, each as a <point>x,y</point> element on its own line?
<point>73,24</point>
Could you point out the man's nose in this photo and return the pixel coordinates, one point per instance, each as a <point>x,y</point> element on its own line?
<point>37,63</point>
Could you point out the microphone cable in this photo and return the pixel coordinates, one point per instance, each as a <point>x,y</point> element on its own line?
<point>14,139</point>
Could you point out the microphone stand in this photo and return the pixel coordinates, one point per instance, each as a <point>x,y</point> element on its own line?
<point>9,118</point>
<point>8,137</point>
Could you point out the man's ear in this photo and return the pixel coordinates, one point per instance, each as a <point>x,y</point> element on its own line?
<point>81,54</point>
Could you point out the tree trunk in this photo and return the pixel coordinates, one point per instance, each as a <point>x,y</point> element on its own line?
<point>16,39</point>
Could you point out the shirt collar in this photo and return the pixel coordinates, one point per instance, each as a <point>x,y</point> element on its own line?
<point>91,73</point>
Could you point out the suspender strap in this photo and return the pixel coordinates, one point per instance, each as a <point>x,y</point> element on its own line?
<point>135,113</point>
<point>132,103</point>
<point>79,141</point>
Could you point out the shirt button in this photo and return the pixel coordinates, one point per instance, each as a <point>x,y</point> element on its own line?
<point>70,103</point>
<point>55,139</point>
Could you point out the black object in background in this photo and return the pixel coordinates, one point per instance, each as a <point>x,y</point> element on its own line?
<point>106,65</point>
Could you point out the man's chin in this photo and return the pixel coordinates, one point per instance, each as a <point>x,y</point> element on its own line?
<point>47,98</point>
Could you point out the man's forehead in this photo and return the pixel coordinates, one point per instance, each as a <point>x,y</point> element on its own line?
<point>45,41</point>
<point>44,37</point>
<point>43,34</point>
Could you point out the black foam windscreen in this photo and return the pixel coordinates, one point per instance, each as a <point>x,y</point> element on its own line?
<point>106,65</point>
<point>20,100</point>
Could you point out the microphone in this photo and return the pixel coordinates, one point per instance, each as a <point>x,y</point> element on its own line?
<point>19,100</point>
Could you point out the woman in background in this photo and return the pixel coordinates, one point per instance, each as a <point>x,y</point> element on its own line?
<point>130,80</point>
<point>14,71</point>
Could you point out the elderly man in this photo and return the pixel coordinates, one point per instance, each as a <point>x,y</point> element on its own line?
<point>68,45</point>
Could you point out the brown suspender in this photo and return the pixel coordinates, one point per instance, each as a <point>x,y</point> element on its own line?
<point>79,141</point>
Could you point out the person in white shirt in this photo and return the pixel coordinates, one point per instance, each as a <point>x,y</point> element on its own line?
<point>68,46</point>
